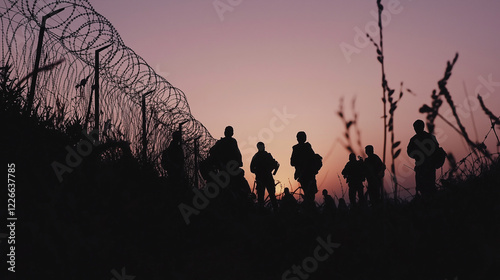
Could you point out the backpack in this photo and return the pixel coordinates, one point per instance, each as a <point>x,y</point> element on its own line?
<point>439,157</point>
<point>316,163</point>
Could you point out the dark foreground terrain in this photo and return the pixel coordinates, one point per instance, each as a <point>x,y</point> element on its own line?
<point>113,218</point>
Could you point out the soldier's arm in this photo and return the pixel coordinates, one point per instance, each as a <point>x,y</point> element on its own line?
<point>410,148</point>
<point>381,164</point>
<point>275,163</point>
<point>238,153</point>
<point>252,165</point>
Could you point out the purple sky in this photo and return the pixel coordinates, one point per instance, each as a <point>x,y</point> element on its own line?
<point>272,68</point>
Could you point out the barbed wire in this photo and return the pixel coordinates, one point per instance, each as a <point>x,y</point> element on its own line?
<point>74,35</point>
<point>470,166</point>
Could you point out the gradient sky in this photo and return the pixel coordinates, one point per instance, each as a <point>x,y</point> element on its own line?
<point>253,58</point>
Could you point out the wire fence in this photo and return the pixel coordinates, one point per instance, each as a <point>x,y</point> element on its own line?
<point>73,35</point>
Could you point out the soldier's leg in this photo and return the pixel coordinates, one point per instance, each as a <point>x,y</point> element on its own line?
<point>374,188</point>
<point>304,186</point>
<point>428,180</point>
<point>310,189</point>
<point>352,195</point>
<point>261,190</point>
<point>419,179</point>
<point>272,196</point>
<point>314,187</point>
<point>361,194</point>
<point>432,179</point>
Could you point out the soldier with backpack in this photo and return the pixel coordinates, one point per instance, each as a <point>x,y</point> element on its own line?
<point>226,150</point>
<point>354,174</point>
<point>423,147</point>
<point>173,159</point>
<point>224,154</point>
<point>264,166</point>
<point>374,171</point>
<point>307,164</point>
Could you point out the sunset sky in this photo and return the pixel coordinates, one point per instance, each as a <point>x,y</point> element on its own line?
<point>271,68</point>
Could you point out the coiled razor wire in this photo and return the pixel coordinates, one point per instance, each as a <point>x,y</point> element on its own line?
<point>74,35</point>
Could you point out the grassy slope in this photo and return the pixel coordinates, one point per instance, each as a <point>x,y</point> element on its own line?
<point>111,214</point>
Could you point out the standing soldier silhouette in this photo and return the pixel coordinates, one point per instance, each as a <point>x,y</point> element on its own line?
<point>354,174</point>
<point>173,159</point>
<point>374,171</point>
<point>264,166</point>
<point>226,150</point>
<point>305,170</point>
<point>225,156</point>
<point>422,147</point>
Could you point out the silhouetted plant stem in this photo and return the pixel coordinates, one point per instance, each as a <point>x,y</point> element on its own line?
<point>356,127</point>
<point>348,124</point>
<point>44,68</point>
<point>444,91</point>
<point>432,111</point>
<point>380,58</point>
<point>341,186</point>
<point>449,123</point>
<point>387,93</point>
<point>395,152</point>
<point>492,117</point>
<point>471,111</point>
<point>496,135</point>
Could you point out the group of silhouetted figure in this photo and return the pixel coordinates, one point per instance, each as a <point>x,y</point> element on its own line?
<point>226,157</point>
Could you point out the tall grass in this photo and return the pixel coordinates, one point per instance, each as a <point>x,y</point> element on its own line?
<point>11,92</point>
<point>387,98</point>
<point>479,159</point>
<point>433,112</point>
<point>347,141</point>
<point>495,121</point>
<point>395,149</point>
<point>381,59</point>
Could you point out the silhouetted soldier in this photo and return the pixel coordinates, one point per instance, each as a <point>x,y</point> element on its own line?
<point>173,158</point>
<point>374,171</point>
<point>264,166</point>
<point>226,150</point>
<point>288,203</point>
<point>421,148</point>
<point>354,174</point>
<point>305,173</point>
<point>329,206</point>
<point>225,155</point>
<point>342,206</point>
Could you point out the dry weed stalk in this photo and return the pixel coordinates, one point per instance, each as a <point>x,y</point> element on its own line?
<point>387,96</point>
<point>433,111</point>
<point>347,140</point>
